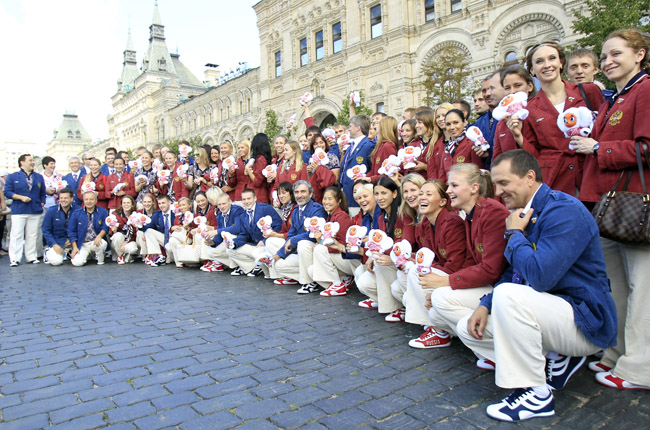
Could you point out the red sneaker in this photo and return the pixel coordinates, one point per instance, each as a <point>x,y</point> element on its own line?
<point>431,338</point>
<point>596,366</point>
<point>368,304</point>
<point>397,316</point>
<point>207,266</point>
<point>485,364</point>
<point>120,260</point>
<point>609,380</point>
<point>285,281</point>
<point>335,289</point>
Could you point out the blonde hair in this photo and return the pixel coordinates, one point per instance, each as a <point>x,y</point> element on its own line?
<point>203,156</point>
<point>474,175</point>
<point>387,133</point>
<point>404,208</point>
<point>368,187</point>
<point>248,145</point>
<point>437,131</point>
<point>212,194</point>
<point>298,151</point>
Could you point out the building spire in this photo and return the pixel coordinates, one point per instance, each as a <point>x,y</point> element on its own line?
<point>157,58</point>
<point>130,70</point>
<point>156,15</point>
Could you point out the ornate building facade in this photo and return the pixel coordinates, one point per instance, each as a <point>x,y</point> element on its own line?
<point>70,138</point>
<point>332,47</point>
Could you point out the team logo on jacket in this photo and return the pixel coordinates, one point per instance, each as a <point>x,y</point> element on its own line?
<point>177,179</point>
<point>39,184</point>
<point>460,159</point>
<point>101,186</point>
<point>294,176</point>
<point>421,240</point>
<point>615,119</point>
<point>377,160</point>
<point>479,248</point>
<point>100,222</point>
<point>360,160</point>
<point>398,233</point>
<point>571,99</point>
<point>443,252</point>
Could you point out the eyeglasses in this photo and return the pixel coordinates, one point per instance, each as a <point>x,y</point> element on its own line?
<point>87,159</point>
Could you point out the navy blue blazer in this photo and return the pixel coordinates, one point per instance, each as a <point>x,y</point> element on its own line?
<point>250,233</point>
<point>74,185</point>
<point>55,225</point>
<point>483,123</point>
<point>560,253</point>
<point>78,224</point>
<point>158,222</point>
<point>297,232</point>
<point>17,184</point>
<point>236,212</point>
<point>360,155</point>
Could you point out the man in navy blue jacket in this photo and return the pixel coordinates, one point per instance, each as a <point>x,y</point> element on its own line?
<point>358,153</point>
<point>75,176</point>
<point>86,231</point>
<point>55,227</point>
<point>157,232</point>
<point>552,307</point>
<point>249,236</point>
<point>287,264</point>
<point>27,189</point>
<point>213,250</point>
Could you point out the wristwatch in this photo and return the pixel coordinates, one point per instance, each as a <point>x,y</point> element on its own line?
<point>509,233</point>
<point>595,148</point>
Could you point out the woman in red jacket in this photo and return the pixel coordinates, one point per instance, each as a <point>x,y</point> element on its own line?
<point>99,179</point>
<point>123,235</point>
<point>176,188</point>
<point>459,149</point>
<point>223,181</point>
<point>322,176</point>
<point>387,145</point>
<point>292,168</point>
<point>120,176</point>
<point>470,190</point>
<point>241,176</point>
<point>436,149</point>
<point>561,166</point>
<point>514,78</point>
<point>621,124</point>
<point>149,206</point>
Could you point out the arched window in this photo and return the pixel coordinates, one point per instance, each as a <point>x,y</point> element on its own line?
<point>510,58</point>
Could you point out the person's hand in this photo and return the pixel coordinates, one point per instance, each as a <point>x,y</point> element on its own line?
<point>177,228</point>
<point>114,228</point>
<point>480,152</point>
<point>432,281</point>
<point>267,233</point>
<point>476,323</point>
<point>98,241</point>
<point>370,265</point>
<point>427,301</point>
<point>57,249</point>
<point>231,170</point>
<point>271,177</point>
<point>515,221</point>
<point>210,234</point>
<point>583,145</point>
<point>50,191</point>
<point>26,199</point>
<point>514,125</point>
<point>74,252</point>
<point>287,247</point>
<point>382,259</point>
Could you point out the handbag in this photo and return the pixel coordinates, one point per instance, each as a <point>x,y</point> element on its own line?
<point>622,216</point>
<point>188,254</point>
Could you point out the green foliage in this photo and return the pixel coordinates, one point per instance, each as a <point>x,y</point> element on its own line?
<point>605,16</point>
<point>344,115</point>
<point>272,127</point>
<point>447,77</point>
<point>195,142</point>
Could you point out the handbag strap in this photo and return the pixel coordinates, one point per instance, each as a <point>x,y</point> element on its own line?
<point>639,162</point>
<point>584,97</point>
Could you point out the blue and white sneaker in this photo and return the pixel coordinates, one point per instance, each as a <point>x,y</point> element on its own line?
<point>521,405</point>
<point>559,371</point>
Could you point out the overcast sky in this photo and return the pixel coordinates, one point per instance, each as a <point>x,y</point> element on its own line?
<point>64,55</point>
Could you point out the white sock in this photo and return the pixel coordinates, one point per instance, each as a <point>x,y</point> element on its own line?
<point>541,391</point>
<point>552,355</point>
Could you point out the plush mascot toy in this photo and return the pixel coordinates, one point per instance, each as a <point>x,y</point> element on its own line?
<point>314,224</point>
<point>423,260</point>
<point>575,121</point>
<point>475,135</point>
<point>401,255</point>
<point>354,236</point>
<point>512,104</point>
<point>378,241</point>
<point>329,231</point>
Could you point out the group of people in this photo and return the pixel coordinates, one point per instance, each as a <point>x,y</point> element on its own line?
<point>495,246</point>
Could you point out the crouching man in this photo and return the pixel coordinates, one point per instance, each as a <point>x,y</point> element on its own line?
<point>86,231</point>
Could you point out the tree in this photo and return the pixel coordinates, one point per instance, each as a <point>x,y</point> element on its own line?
<point>272,128</point>
<point>447,76</point>
<point>344,115</point>
<point>606,16</point>
<point>194,141</point>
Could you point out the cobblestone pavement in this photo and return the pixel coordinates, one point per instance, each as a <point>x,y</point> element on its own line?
<point>148,348</point>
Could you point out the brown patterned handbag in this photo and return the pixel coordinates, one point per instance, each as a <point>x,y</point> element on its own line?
<point>623,216</point>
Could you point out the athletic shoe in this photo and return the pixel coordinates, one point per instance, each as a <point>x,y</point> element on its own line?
<point>179,265</point>
<point>285,281</point>
<point>34,262</point>
<point>597,366</point>
<point>368,304</point>
<point>207,266</point>
<point>312,287</point>
<point>99,263</point>
<point>559,371</point>
<point>146,260</point>
<point>237,272</point>
<point>599,354</point>
<point>45,259</point>
<point>13,264</point>
<point>521,405</point>
<point>397,316</point>
<point>485,364</point>
<point>431,338</point>
<point>120,260</point>
<point>335,289</point>
<point>609,380</point>
<point>158,260</point>
<point>257,271</point>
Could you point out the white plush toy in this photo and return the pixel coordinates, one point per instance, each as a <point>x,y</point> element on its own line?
<point>409,156</point>
<point>163,176</point>
<point>270,168</point>
<point>229,162</point>
<point>354,236</point>
<point>265,259</point>
<point>181,171</point>
<point>264,223</point>
<point>157,165</point>
<point>291,121</point>
<point>229,238</point>
<point>513,104</point>
<point>142,179</point>
<point>306,98</point>
<point>111,221</point>
<point>329,231</point>
<point>423,260</point>
<point>60,184</point>
<point>138,220</point>
<point>378,241</point>
<point>320,157</point>
<point>401,255</point>
<point>176,208</point>
<point>357,172</point>
<point>200,220</point>
<point>214,175</point>
<point>184,150</point>
<point>119,187</point>
<point>188,217</point>
<point>135,164</point>
<point>343,141</point>
<point>390,166</point>
<point>88,186</point>
<point>475,135</point>
<point>575,121</point>
<point>314,224</point>
<point>355,96</point>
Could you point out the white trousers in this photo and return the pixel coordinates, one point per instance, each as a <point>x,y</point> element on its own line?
<point>218,253</point>
<point>54,257</point>
<point>117,240</point>
<point>289,267</point>
<point>523,327</point>
<point>175,239</point>
<point>330,267</point>
<point>271,246</point>
<point>450,306</point>
<point>155,240</point>
<point>413,298</point>
<point>24,237</point>
<point>384,277</point>
<point>242,257</point>
<point>141,242</point>
<point>628,268</point>
<point>87,249</point>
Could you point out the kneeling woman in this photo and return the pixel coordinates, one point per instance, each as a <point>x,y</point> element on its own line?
<point>149,206</point>
<point>123,235</point>
<point>179,233</point>
<point>329,265</point>
<point>454,296</point>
